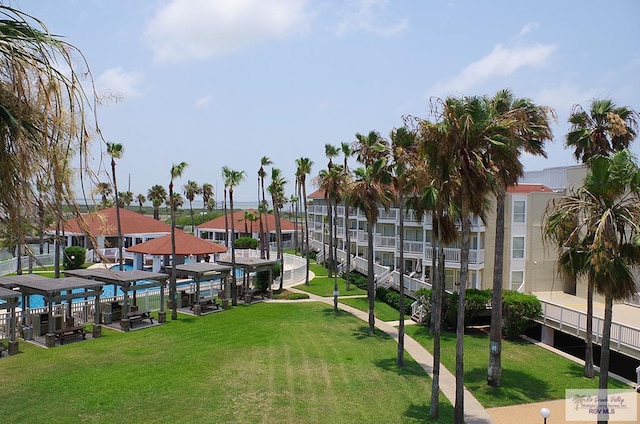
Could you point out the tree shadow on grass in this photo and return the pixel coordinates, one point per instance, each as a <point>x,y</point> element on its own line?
<point>410,368</point>
<point>420,413</point>
<point>515,386</point>
<point>362,333</point>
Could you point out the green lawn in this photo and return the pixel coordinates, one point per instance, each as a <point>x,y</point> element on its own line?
<point>263,363</point>
<point>529,373</point>
<point>322,285</point>
<point>381,310</point>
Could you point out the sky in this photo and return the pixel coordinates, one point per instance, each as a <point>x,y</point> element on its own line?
<point>219,83</point>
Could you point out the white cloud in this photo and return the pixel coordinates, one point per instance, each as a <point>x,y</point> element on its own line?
<point>502,61</point>
<point>367,16</point>
<point>202,102</point>
<point>199,29</point>
<point>118,83</point>
<point>531,26</point>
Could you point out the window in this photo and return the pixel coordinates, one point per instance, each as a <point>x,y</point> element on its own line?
<point>517,248</point>
<point>518,210</point>
<point>517,278</point>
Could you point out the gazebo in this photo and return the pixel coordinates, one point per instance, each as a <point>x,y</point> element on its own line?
<point>54,290</point>
<point>10,302</point>
<point>249,265</point>
<point>127,281</point>
<point>186,245</point>
<point>199,271</point>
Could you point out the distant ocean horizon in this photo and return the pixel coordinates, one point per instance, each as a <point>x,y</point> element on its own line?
<point>197,203</point>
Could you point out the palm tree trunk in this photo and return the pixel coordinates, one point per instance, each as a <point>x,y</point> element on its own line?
<point>371,293</point>
<point>172,284</point>
<point>464,270</point>
<point>494,368</point>
<point>330,222</point>
<point>306,230</point>
<point>347,232</point>
<point>226,221</point>
<point>266,221</point>
<point>605,352</point>
<point>400,360</point>
<point>335,275</point>
<point>589,371</point>
<point>234,288</point>
<point>115,189</point>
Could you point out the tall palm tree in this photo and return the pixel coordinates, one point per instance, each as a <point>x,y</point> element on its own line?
<point>191,190</point>
<point>370,190</point>
<point>157,195</point>
<point>332,181</point>
<point>125,198</point>
<point>233,180</point>
<point>276,189</point>
<point>208,197</point>
<point>116,150</point>
<point>404,152</point>
<point>521,126</point>
<point>467,130</point>
<point>347,151</point>
<point>603,219</point>
<point>304,166</point>
<point>104,190</point>
<point>265,161</point>
<point>605,129</point>
<point>226,174</point>
<point>141,199</point>
<point>330,152</point>
<point>176,172</point>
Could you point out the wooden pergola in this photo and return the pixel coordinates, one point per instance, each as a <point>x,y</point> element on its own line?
<point>204,270</point>
<point>249,265</point>
<point>10,298</point>
<point>127,281</point>
<point>55,291</point>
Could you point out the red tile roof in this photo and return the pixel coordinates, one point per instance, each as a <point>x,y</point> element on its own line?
<point>186,244</point>
<point>254,227</point>
<point>103,222</point>
<point>528,188</point>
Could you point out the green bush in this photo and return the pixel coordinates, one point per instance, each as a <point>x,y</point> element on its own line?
<point>518,312</point>
<point>74,257</point>
<point>287,295</point>
<point>245,243</point>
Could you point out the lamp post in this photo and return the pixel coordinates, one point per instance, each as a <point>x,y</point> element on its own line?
<point>545,414</point>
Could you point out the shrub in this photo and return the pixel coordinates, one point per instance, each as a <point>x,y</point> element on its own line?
<point>74,257</point>
<point>245,243</point>
<point>518,312</point>
<point>262,277</point>
<point>287,295</point>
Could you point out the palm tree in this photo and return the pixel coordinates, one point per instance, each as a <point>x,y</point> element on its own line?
<point>116,150</point>
<point>104,190</point>
<point>603,220</point>
<point>521,126</point>
<point>125,198</point>
<point>276,189</point>
<point>606,129</point>
<point>207,197</point>
<point>437,197</point>
<point>467,129</point>
<point>234,178</point>
<point>330,152</point>
<point>370,190</point>
<point>304,166</point>
<point>347,151</point>
<point>332,181</point>
<point>264,161</point>
<point>176,172</point>
<point>191,190</point>
<point>141,199</point>
<point>157,195</point>
<point>226,174</point>
<point>404,152</point>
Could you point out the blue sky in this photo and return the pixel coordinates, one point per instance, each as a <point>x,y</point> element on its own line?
<point>225,82</point>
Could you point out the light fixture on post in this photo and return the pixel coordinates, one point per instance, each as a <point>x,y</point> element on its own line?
<point>545,414</point>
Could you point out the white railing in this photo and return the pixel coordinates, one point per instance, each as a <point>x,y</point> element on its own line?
<point>573,321</point>
<point>384,241</point>
<point>453,255</point>
<point>11,265</point>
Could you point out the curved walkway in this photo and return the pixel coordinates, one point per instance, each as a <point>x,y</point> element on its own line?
<point>474,412</point>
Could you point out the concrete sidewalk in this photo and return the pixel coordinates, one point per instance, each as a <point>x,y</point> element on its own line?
<point>474,413</point>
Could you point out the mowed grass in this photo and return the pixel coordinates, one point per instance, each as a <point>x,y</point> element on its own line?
<point>322,285</point>
<point>381,310</point>
<point>263,363</point>
<point>529,373</point>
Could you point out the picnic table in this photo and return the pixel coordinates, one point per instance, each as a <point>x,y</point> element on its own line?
<point>75,332</point>
<point>139,316</point>
<point>206,303</point>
